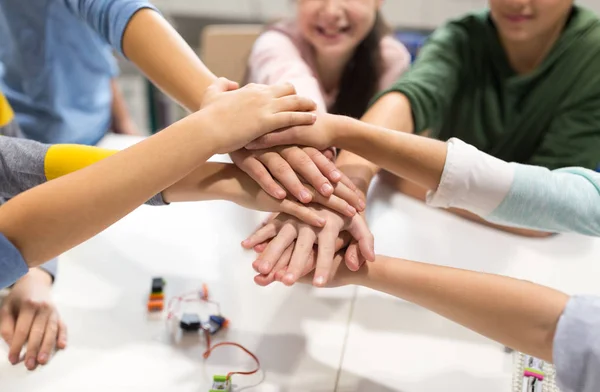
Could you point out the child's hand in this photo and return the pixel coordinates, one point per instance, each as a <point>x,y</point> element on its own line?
<point>341,277</point>
<point>249,194</point>
<point>278,169</point>
<point>322,134</point>
<point>29,316</point>
<point>242,115</point>
<point>286,230</point>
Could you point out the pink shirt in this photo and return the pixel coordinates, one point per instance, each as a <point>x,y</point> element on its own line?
<point>279,57</point>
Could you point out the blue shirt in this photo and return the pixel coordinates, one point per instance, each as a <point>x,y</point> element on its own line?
<point>12,265</point>
<point>56,64</point>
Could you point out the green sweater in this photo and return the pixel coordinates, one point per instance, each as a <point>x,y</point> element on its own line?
<point>461,85</point>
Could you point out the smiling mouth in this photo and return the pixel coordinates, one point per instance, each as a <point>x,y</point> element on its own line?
<point>332,34</point>
<point>518,18</point>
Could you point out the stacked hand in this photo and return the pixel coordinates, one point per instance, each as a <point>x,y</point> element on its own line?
<point>292,254</point>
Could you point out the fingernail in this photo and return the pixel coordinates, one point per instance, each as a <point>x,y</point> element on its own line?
<point>30,363</point>
<point>361,204</point>
<point>280,193</point>
<point>304,195</point>
<point>319,281</point>
<point>13,359</point>
<point>43,357</point>
<point>351,210</point>
<point>322,221</point>
<point>265,267</point>
<point>335,175</point>
<point>326,188</point>
<point>289,277</point>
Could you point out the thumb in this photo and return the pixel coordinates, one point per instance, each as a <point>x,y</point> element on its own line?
<point>231,85</point>
<point>221,85</point>
<point>7,324</point>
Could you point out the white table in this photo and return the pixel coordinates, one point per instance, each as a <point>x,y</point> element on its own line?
<point>307,339</point>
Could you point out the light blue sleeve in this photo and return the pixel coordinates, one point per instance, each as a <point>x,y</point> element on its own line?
<point>576,349</point>
<point>563,200</point>
<point>109,18</point>
<point>51,267</point>
<point>12,264</point>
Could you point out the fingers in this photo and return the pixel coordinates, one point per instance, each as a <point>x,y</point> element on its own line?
<point>62,335</point>
<point>7,324</point>
<point>261,247</point>
<point>36,334</point>
<point>347,194</point>
<point>261,235</point>
<point>361,233</point>
<point>231,85</point>
<point>219,86</point>
<point>282,90</point>
<point>329,154</point>
<point>304,213</point>
<point>51,337</point>
<point>283,172</point>
<point>326,250</point>
<point>354,259</point>
<point>277,247</point>
<point>294,103</point>
<point>304,164</point>
<point>257,171</point>
<point>267,279</point>
<point>291,119</point>
<point>326,166</point>
<point>335,203</point>
<point>282,137</point>
<point>300,256</point>
<point>23,326</point>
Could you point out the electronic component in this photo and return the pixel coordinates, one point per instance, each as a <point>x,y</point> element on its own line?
<point>214,324</point>
<point>190,322</point>
<point>533,375</point>
<point>156,299</point>
<point>220,384</point>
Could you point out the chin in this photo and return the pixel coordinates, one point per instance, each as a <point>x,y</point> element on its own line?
<point>338,48</point>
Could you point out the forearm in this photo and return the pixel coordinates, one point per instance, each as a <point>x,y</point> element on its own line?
<point>210,181</point>
<point>415,158</point>
<point>516,313</point>
<point>392,111</point>
<point>166,59</point>
<point>43,222</point>
<point>418,192</point>
<point>509,229</point>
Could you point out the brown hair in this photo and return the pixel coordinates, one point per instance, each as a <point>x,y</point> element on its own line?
<point>360,79</point>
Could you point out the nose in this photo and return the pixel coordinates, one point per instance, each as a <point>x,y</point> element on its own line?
<point>522,5</point>
<point>333,10</point>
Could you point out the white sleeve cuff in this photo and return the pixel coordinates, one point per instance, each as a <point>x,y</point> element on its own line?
<point>472,180</point>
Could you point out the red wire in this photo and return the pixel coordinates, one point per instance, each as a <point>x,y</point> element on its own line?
<point>210,349</point>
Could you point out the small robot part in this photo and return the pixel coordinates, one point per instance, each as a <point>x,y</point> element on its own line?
<point>215,324</point>
<point>156,299</point>
<point>220,384</point>
<point>190,322</point>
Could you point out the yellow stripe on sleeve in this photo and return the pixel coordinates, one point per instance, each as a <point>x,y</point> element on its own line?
<point>6,112</point>
<point>63,159</point>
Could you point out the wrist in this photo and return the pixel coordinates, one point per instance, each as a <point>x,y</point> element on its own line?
<point>344,131</point>
<point>37,275</point>
<point>201,128</point>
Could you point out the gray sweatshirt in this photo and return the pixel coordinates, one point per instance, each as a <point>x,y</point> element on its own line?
<point>22,168</point>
